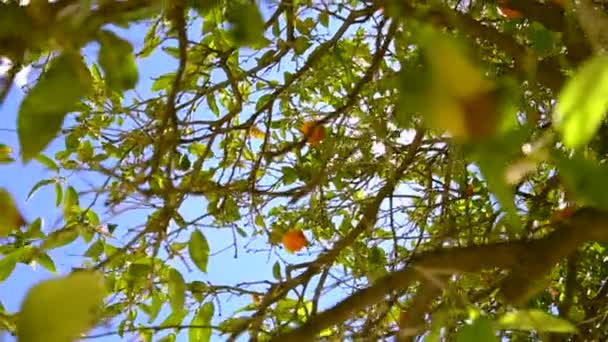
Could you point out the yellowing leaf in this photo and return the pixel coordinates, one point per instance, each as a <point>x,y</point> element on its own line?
<point>256,132</point>
<point>10,217</point>
<point>61,309</point>
<point>4,149</point>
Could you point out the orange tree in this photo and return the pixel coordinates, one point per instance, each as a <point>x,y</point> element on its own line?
<point>437,167</point>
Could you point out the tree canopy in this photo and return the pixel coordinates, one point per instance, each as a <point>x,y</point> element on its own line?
<point>416,170</point>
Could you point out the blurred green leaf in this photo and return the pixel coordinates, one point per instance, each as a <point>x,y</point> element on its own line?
<point>583,179</point>
<point>247,24</point>
<point>535,320</point>
<point>117,61</point>
<point>61,309</point>
<point>583,102</point>
<point>480,330</point>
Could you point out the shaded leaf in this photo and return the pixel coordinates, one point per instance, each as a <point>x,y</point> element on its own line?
<point>117,61</point>
<point>44,107</point>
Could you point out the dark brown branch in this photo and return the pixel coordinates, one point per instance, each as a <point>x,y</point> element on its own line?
<point>539,256</point>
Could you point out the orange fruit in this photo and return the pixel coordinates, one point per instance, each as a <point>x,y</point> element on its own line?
<point>469,191</point>
<point>314,132</point>
<point>294,240</point>
<point>508,12</point>
<point>563,214</point>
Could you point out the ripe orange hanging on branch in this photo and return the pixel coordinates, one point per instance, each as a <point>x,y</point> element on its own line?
<point>294,240</point>
<point>507,12</point>
<point>314,133</point>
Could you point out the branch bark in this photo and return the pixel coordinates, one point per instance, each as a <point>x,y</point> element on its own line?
<point>539,256</point>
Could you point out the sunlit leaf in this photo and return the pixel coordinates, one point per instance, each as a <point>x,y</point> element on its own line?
<point>535,320</point>
<point>177,290</point>
<point>47,162</point>
<point>583,102</point>
<point>45,261</point>
<point>59,310</point>
<point>202,319</point>
<point>198,248</point>
<point>37,186</point>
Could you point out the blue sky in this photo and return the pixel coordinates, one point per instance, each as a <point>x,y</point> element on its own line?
<point>224,268</point>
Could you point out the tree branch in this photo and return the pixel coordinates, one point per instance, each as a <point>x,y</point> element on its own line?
<point>585,225</point>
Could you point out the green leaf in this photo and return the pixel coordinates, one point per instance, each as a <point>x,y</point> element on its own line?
<point>480,330</point>
<point>58,194</point>
<point>493,158</point>
<point>7,266</point>
<point>324,18</point>
<point>34,230</point>
<point>177,290</point>
<point>59,238</point>
<point>536,320</point>
<point>213,104</point>
<point>47,162</point>
<point>95,250</point>
<point>583,102</point>
<point>202,318</point>
<point>70,200</point>
<point>10,216</point>
<point>259,221</point>
<point>156,305</point>
<point>247,24</point>
<point>117,61</point>
<point>61,309</point>
<point>301,44</point>
<point>584,179</point>
<point>163,82</point>
<point>276,271</point>
<point>44,107</point>
<point>175,318</point>
<point>45,261</point>
<point>199,250</point>
<point>37,186</point>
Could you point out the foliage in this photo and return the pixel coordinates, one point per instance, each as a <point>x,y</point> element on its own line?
<point>419,151</point>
